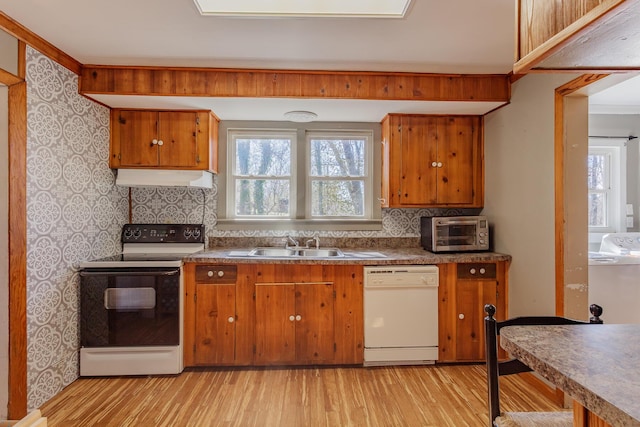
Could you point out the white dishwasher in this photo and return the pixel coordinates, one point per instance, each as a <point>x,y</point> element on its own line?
<point>400,315</point>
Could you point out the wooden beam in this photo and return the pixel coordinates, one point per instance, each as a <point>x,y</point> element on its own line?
<point>256,83</point>
<point>32,39</point>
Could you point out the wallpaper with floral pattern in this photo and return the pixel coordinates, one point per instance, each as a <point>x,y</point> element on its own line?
<point>74,213</point>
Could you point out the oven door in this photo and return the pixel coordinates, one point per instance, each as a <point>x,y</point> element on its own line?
<point>130,307</point>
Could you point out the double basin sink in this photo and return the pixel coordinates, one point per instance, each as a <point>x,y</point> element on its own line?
<point>294,252</point>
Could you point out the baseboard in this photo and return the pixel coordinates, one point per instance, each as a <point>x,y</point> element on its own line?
<point>552,393</point>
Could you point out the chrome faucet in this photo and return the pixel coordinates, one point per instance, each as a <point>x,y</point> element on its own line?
<point>288,239</point>
<point>315,240</point>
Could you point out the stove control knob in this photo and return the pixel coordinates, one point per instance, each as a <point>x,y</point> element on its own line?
<point>187,233</point>
<point>137,233</point>
<point>196,233</point>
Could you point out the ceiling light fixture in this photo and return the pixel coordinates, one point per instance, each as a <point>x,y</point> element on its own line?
<point>300,116</point>
<point>305,8</point>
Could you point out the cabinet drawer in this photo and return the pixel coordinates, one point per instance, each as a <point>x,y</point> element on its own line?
<point>216,273</point>
<point>477,270</point>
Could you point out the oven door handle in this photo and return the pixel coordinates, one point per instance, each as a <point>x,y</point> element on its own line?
<point>130,272</point>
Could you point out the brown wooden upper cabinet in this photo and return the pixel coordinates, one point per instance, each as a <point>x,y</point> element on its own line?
<point>164,139</point>
<point>432,161</point>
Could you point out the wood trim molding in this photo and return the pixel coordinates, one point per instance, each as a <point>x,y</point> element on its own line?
<point>17,132</point>
<point>9,79</point>
<point>32,39</point>
<point>559,164</point>
<point>256,83</point>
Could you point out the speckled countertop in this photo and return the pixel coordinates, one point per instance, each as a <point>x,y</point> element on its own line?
<point>597,365</point>
<point>361,250</point>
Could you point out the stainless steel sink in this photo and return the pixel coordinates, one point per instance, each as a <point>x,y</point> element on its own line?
<point>320,253</point>
<point>271,252</point>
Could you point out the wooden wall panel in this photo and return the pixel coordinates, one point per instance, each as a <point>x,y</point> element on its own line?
<point>288,84</point>
<point>540,20</point>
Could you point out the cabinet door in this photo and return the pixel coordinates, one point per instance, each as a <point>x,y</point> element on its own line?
<point>136,131</point>
<point>215,324</point>
<point>457,160</point>
<point>177,130</point>
<point>275,323</point>
<point>471,296</point>
<point>418,153</point>
<point>315,340</point>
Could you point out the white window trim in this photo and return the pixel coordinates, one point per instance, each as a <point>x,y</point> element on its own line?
<point>228,223</point>
<point>616,151</point>
<point>234,134</point>
<point>367,178</point>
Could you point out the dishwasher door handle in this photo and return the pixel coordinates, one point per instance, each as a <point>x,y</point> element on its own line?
<point>399,286</point>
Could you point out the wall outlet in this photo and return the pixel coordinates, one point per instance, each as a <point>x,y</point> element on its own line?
<point>629,208</point>
<point>629,222</point>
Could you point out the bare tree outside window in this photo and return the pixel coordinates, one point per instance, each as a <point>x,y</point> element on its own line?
<point>337,177</point>
<point>263,169</point>
<point>334,182</point>
<point>597,181</point>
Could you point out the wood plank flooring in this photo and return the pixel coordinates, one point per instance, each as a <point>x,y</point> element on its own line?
<point>443,395</point>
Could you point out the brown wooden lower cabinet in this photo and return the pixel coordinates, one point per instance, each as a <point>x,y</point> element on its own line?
<point>270,314</point>
<point>294,323</point>
<point>464,290</point>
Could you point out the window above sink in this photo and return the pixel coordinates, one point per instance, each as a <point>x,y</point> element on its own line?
<point>312,176</point>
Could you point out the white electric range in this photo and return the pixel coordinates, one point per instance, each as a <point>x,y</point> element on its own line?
<point>131,307</point>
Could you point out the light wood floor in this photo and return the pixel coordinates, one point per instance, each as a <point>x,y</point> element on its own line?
<point>443,395</point>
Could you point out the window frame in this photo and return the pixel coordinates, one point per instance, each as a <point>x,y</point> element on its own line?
<point>615,194</point>
<point>224,222</point>
<point>366,177</point>
<point>234,178</point>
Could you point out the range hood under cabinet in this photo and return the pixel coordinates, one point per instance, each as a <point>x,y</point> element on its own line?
<point>163,178</point>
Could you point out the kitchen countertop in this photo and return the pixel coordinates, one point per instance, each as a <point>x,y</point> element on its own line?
<point>597,365</point>
<point>364,256</point>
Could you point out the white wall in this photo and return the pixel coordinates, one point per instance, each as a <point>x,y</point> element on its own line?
<point>519,190</point>
<point>4,255</point>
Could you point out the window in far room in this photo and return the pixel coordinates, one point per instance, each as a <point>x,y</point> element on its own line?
<point>606,173</point>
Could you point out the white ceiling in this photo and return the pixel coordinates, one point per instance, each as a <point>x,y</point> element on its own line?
<point>453,36</point>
